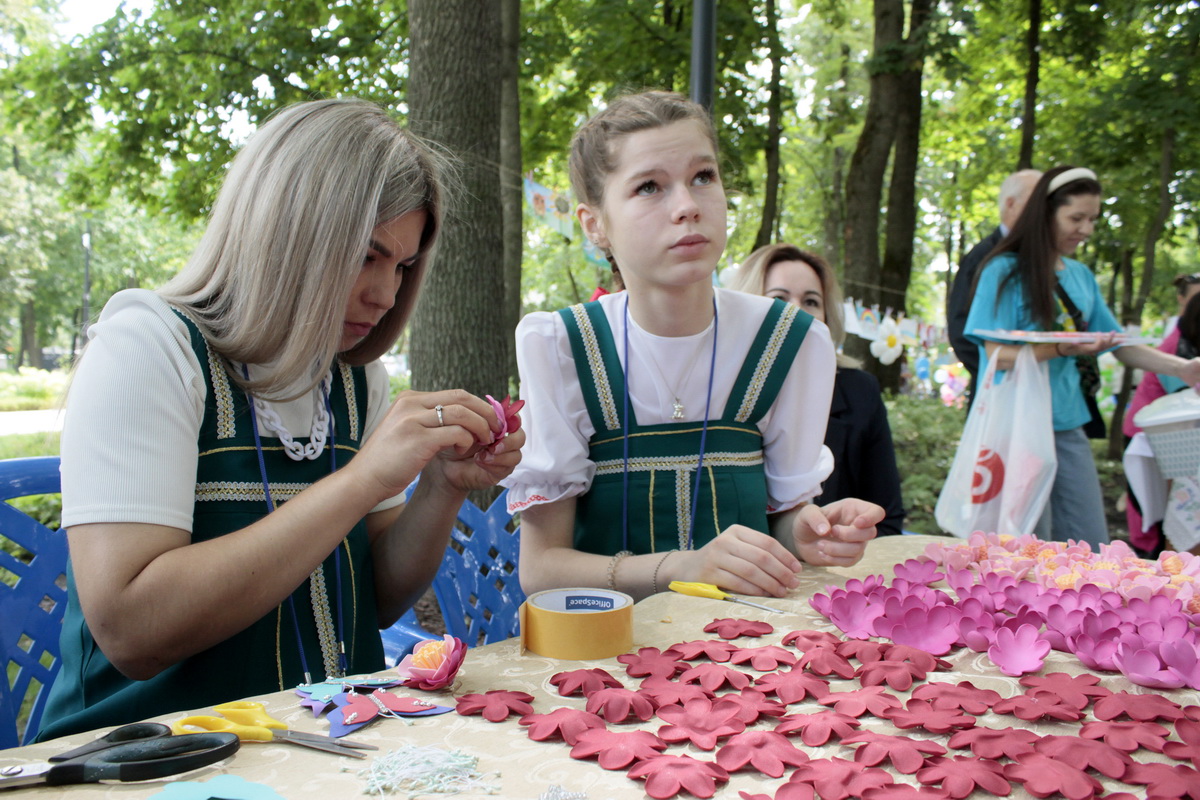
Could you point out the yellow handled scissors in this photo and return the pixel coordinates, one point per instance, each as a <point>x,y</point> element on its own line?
<point>709,590</point>
<point>250,722</point>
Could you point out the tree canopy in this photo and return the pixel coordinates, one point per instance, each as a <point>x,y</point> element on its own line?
<point>144,112</point>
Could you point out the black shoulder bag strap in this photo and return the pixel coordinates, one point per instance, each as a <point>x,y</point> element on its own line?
<point>1089,370</point>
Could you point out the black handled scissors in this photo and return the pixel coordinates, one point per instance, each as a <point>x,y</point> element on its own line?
<point>136,752</point>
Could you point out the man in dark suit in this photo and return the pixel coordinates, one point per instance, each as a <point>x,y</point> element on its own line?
<point>1013,194</point>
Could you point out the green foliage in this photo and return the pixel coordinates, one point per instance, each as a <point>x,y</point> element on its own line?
<point>45,508</point>
<point>32,389</point>
<point>28,445</point>
<point>398,384</point>
<point>925,434</point>
<point>182,85</point>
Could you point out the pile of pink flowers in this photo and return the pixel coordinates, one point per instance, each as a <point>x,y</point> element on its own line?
<point>1055,565</point>
<point>1015,598</point>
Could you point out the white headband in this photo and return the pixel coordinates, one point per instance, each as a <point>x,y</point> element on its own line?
<point>1074,174</point>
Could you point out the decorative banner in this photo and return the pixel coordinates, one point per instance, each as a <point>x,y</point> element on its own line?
<point>850,314</point>
<point>593,254</point>
<point>551,207</point>
<point>868,322</point>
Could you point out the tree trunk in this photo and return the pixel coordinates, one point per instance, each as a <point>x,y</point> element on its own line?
<point>835,209</point>
<point>1033,56</point>
<point>30,352</point>
<point>1166,205</point>
<point>864,183</point>
<point>901,225</point>
<point>459,331</point>
<point>1116,435</point>
<point>771,150</point>
<point>511,193</point>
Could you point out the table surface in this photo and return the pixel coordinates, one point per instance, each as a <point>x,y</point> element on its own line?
<point>519,767</point>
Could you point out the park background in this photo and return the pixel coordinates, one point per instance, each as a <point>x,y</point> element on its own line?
<point>875,132</point>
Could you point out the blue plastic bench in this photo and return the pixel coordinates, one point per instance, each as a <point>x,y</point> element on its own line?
<point>33,596</point>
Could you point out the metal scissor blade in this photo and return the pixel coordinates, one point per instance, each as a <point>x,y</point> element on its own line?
<point>319,739</point>
<point>320,743</point>
<point>755,605</point>
<point>16,777</point>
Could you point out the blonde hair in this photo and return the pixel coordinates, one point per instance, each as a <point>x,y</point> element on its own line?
<point>751,277</point>
<point>288,234</point>
<point>593,158</point>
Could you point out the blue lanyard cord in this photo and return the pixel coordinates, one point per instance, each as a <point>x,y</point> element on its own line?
<point>712,365</point>
<point>703,435</point>
<point>625,442</point>
<point>262,470</point>
<point>337,552</point>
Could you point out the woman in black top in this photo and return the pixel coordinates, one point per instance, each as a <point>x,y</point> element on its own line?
<point>857,433</point>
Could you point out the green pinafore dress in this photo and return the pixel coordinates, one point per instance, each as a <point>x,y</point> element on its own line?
<point>663,458</point>
<point>265,657</point>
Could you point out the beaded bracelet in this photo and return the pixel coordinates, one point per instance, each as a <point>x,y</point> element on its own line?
<point>612,568</point>
<point>657,567</point>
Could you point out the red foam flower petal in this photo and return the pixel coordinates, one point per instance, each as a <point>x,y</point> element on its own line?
<point>734,628</point>
<point>583,681</point>
<point>768,752</point>
<point>561,723</point>
<point>617,749</point>
<point>666,776</point>
<point>496,705</point>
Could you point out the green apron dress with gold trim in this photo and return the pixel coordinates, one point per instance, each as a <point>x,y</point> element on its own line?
<point>89,691</point>
<point>662,458</point>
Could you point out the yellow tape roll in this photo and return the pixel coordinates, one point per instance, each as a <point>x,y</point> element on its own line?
<point>577,624</point>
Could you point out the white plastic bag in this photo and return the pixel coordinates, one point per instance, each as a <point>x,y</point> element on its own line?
<point>1004,468</point>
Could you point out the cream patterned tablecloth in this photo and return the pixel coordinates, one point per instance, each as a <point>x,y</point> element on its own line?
<point>518,767</point>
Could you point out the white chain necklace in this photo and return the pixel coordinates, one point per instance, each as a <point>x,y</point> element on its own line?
<point>317,436</point>
<point>677,410</point>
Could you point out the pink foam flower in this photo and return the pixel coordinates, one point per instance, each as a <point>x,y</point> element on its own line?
<point>935,629</point>
<point>977,631</point>
<point>854,614</point>
<point>918,570</point>
<point>979,595</point>
<point>1093,653</point>
<point>1158,608</point>
<point>506,413</point>
<point>1061,626</point>
<point>959,578</point>
<point>1140,586</point>
<point>865,585</point>
<point>432,664</point>
<point>820,603</point>
<point>1023,616</point>
<point>1018,652</point>
<point>1183,658</point>
<point>1143,666</point>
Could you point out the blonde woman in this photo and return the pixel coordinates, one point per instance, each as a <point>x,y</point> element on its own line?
<point>232,470</point>
<point>858,433</point>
